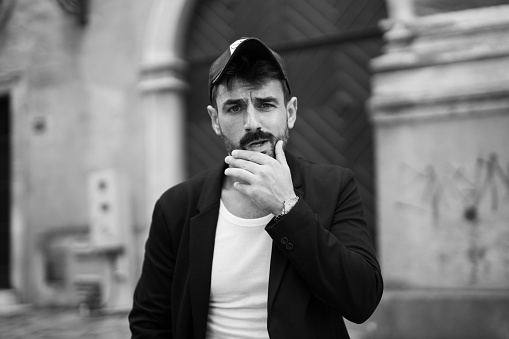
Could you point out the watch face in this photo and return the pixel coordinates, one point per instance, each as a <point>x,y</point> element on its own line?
<point>288,204</point>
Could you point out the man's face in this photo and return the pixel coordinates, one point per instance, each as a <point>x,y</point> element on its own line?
<point>253,118</point>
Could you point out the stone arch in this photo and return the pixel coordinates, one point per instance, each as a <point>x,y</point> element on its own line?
<point>162,96</point>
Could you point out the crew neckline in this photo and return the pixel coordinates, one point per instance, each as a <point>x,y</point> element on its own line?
<point>244,222</point>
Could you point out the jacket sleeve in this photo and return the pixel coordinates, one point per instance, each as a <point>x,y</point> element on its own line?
<point>150,316</point>
<point>337,259</point>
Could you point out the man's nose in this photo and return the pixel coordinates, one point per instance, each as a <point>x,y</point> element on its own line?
<point>252,119</point>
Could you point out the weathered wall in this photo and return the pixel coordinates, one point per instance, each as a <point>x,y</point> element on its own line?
<point>75,111</point>
<point>441,116</point>
<point>440,108</point>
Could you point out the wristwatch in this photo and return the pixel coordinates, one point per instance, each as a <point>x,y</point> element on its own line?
<point>287,206</point>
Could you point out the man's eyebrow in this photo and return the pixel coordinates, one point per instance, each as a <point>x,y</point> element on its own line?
<point>231,102</point>
<point>267,99</point>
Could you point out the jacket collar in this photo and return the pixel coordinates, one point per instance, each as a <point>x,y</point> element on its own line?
<point>211,191</point>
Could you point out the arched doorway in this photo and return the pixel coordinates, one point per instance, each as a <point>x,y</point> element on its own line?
<point>327,46</point>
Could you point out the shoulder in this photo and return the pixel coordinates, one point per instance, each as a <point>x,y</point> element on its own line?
<point>187,188</point>
<point>321,173</point>
<point>324,187</point>
<point>187,194</point>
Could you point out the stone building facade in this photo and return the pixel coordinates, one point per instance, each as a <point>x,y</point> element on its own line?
<point>93,144</point>
<point>440,112</point>
<point>73,93</point>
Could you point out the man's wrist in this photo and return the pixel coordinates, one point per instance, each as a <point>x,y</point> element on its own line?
<point>288,204</point>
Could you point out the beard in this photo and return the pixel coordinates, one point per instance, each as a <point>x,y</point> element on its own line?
<point>253,137</point>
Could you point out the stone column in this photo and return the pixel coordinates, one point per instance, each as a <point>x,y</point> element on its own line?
<point>401,12</point>
<point>163,98</point>
<point>440,108</point>
<point>162,88</point>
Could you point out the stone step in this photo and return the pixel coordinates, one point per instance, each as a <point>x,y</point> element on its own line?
<point>8,297</point>
<point>9,303</point>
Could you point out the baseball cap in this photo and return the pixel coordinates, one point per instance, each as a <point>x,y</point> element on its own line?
<point>253,47</point>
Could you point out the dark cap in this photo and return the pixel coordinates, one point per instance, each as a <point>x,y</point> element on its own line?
<point>246,46</point>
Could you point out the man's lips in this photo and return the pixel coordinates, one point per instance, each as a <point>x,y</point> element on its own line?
<point>257,143</point>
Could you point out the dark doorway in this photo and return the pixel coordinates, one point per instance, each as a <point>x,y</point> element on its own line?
<point>327,46</point>
<point>5,180</point>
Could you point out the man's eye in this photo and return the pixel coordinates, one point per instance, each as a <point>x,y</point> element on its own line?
<point>234,109</point>
<point>266,106</point>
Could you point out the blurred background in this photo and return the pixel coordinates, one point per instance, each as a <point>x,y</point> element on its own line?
<point>103,107</point>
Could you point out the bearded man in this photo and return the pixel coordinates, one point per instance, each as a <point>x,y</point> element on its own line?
<point>265,245</point>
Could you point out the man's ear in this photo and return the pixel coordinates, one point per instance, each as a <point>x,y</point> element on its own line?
<point>214,119</point>
<point>291,111</point>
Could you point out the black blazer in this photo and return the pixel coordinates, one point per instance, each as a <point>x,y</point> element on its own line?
<point>323,265</point>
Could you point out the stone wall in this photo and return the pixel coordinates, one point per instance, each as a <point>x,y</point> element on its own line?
<point>75,111</point>
<point>440,107</point>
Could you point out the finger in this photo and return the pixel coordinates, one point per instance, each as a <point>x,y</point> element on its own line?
<point>241,163</point>
<point>253,156</point>
<point>280,154</point>
<point>239,174</point>
<point>242,188</point>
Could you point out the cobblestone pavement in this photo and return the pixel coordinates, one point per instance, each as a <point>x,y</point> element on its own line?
<point>37,323</point>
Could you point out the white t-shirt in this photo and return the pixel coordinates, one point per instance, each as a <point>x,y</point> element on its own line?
<point>240,278</point>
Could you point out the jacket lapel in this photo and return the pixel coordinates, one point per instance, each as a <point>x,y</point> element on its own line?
<point>278,261</point>
<point>201,248</point>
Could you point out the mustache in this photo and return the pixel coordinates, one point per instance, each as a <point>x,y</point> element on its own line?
<point>249,137</point>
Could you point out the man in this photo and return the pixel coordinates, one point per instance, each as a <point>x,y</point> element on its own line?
<point>265,245</point>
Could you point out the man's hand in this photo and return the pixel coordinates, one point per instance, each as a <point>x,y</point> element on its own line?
<point>267,181</point>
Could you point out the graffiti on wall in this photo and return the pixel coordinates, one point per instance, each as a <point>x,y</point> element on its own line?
<point>475,195</point>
